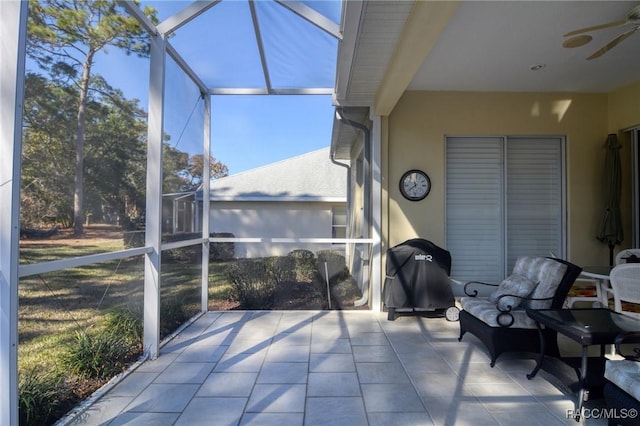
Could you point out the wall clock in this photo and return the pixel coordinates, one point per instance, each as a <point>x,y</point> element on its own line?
<point>415,185</point>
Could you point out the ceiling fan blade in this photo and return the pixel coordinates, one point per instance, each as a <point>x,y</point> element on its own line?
<point>595,27</point>
<point>577,41</point>
<point>613,43</point>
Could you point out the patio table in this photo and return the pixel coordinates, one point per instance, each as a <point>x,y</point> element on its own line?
<point>587,327</point>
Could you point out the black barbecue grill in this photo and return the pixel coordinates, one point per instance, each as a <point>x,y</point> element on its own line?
<point>418,279</point>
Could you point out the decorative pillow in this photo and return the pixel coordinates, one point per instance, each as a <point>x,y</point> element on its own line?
<point>514,285</point>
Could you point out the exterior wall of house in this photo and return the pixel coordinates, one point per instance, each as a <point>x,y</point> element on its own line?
<point>415,134</point>
<point>272,220</point>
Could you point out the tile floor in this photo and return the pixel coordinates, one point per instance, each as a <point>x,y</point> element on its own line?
<point>328,368</point>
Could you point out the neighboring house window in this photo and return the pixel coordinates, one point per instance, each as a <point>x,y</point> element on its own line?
<point>505,197</point>
<point>339,222</point>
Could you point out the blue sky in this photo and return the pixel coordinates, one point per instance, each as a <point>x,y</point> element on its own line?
<point>247,131</point>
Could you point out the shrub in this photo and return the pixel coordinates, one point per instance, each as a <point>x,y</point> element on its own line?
<point>344,290</point>
<point>173,313</point>
<point>97,354</point>
<point>305,261</point>
<point>252,283</point>
<point>39,393</point>
<point>281,269</point>
<point>217,251</point>
<point>188,254</point>
<point>336,266</point>
<point>221,251</point>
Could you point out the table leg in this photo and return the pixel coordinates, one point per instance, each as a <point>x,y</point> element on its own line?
<point>542,352</point>
<point>583,394</point>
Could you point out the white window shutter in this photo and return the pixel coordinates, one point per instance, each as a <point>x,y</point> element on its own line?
<point>534,197</point>
<point>474,206</point>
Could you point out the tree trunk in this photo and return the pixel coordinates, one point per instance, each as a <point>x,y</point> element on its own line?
<point>78,195</point>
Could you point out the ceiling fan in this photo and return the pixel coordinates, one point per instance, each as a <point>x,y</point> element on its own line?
<point>577,38</point>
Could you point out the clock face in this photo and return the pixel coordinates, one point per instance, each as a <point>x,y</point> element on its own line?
<point>415,185</point>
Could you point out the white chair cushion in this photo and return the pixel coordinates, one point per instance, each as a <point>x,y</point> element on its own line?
<point>625,374</point>
<point>548,273</point>
<point>486,311</point>
<point>515,285</point>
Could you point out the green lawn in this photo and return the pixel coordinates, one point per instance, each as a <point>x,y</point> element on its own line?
<point>54,306</point>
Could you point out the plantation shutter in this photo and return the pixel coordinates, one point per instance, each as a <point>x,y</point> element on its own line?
<point>534,198</point>
<point>504,199</point>
<point>474,205</point>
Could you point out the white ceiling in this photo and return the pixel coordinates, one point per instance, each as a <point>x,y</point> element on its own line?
<point>491,45</point>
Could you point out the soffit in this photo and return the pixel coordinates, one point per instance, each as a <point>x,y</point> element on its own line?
<point>491,46</point>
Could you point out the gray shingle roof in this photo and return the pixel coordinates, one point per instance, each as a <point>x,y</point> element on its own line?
<point>307,177</point>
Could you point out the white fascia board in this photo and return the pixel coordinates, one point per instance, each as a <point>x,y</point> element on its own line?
<point>351,18</point>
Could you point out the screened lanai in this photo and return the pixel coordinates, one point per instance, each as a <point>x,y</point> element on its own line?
<point>416,73</point>
<point>203,57</point>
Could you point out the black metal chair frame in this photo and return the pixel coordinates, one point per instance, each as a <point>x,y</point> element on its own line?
<point>505,338</point>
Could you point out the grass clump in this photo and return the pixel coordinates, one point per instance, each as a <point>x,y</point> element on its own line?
<point>173,313</point>
<point>126,321</point>
<point>105,351</point>
<point>39,396</point>
<point>97,355</point>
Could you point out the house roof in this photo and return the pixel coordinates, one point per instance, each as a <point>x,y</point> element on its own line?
<point>307,177</point>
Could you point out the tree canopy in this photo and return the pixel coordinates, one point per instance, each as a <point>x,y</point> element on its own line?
<point>84,149</point>
<point>115,154</point>
<point>64,37</point>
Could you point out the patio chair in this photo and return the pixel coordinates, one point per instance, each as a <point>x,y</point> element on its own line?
<point>596,291</point>
<point>622,389</point>
<point>501,322</point>
<point>625,285</point>
<point>584,290</point>
<point>631,255</point>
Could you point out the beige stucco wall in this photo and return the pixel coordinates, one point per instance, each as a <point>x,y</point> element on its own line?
<point>624,107</point>
<point>415,139</point>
